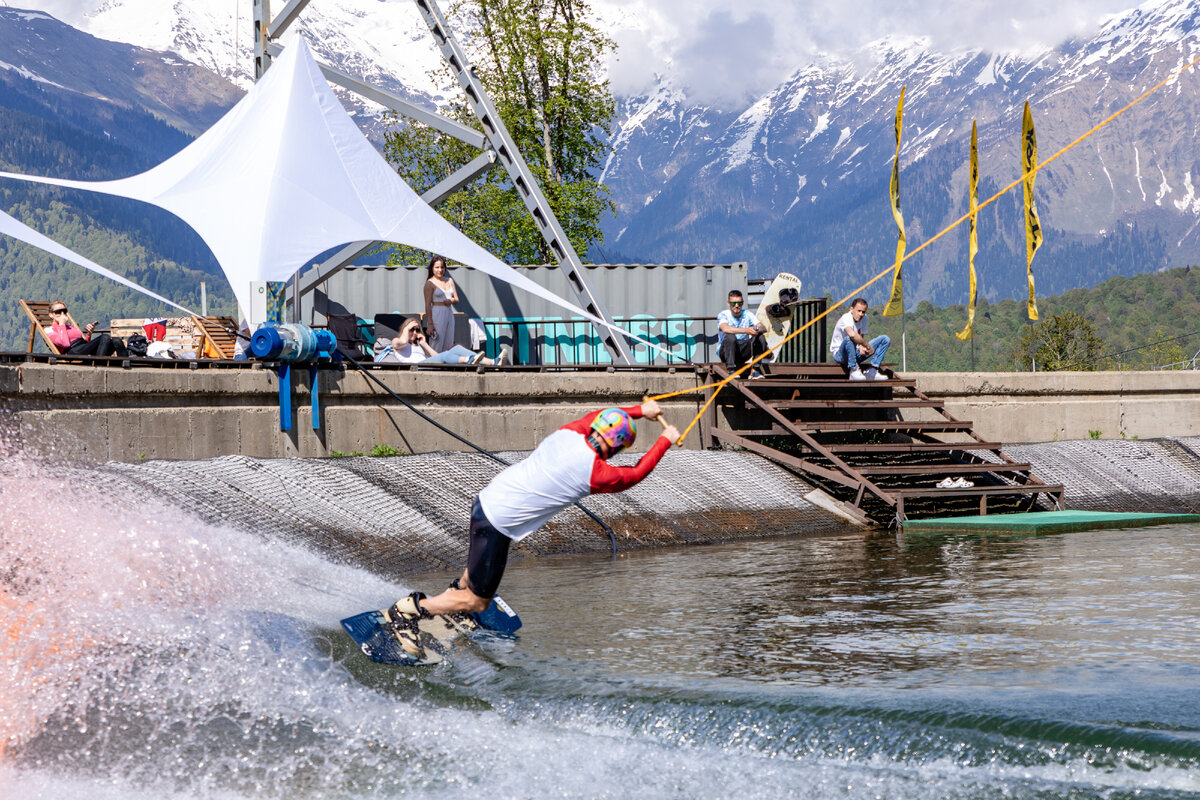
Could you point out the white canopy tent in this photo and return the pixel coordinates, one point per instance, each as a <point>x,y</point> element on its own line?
<point>286,175</point>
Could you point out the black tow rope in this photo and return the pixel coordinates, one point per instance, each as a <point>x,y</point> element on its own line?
<point>346,356</point>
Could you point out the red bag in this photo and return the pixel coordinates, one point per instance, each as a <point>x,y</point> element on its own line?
<point>156,330</point>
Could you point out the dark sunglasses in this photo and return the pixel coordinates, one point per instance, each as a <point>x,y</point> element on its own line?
<point>58,311</point>
<point>738,303</point>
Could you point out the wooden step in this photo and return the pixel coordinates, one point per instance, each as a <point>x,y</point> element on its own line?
<point>882,448</point>
<point>773,382</point>
<point>1022,488</point>
<point>957,468</point>
<point>861,403</point>
<point>826,368</point>
<point>899,426</point>
<point>980,492</point>
<point>909,447</point>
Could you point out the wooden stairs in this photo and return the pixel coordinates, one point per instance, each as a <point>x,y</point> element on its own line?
<point>880,447</point>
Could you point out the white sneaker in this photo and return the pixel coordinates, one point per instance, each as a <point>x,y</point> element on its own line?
<point>878,376</point>
<point>946,483</point>
<point>857,375</point>
<point>505,354</point>
<point>963,483</point>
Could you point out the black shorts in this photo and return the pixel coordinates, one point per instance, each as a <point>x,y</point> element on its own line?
<point>488,554</point>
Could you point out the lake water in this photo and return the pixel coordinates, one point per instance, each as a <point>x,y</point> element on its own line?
<point>149,655</point>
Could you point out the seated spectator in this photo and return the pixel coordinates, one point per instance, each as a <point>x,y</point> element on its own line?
<point>740,336</point>
<point>410,347</point>
<point>72,341</point>
<point>851,349</point>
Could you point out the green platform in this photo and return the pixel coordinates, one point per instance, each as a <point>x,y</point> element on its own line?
<point>1044,522</point>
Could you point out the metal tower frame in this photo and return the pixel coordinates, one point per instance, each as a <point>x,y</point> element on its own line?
<point>495,142</point>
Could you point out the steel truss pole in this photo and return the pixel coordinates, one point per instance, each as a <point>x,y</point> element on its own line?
<point>262,38</point>
<point>520,174</point>
<point>495,141</point>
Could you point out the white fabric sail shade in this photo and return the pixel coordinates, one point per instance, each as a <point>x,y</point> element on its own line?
<point>286,175</point>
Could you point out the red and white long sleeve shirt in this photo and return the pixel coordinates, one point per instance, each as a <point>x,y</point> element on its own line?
<point>562,470</point>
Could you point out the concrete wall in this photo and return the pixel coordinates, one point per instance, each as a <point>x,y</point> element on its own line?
<point>1023,407</point>
<point>101,414</point>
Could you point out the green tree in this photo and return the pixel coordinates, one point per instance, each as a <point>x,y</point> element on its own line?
<point>540,63</point>
<point>1165,351</point>
<point>1063,341</point>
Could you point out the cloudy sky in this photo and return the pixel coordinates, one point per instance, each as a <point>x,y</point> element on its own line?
<point>726,52</point>
<point>723,52</point>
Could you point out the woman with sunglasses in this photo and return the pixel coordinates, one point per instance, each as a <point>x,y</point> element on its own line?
<point>411,347</point>
<point>74,342</point>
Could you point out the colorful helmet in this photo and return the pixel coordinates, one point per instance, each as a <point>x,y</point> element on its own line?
<point>615,427</point>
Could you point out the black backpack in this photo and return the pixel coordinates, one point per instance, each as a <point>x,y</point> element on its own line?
<point>137,345</point>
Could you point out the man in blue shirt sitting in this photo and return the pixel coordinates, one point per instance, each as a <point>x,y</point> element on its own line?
<point>740,336</point>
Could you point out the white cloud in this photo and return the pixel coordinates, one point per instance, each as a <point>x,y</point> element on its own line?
<point>72,12</point>
<point>719,52</point>
<point>727,53</point>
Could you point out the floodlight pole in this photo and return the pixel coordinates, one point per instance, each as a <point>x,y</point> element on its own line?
<point>496,142</point>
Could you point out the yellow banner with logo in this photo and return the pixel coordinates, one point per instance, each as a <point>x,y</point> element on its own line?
<point>972,234</point>
<point>1033,226</point>
<point>895,305</point>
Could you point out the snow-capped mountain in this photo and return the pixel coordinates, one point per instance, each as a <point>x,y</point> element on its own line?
<point>385,43</point>
<point>36,46</point>
<point>797,178</point>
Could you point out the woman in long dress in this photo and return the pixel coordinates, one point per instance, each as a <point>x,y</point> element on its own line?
<point>441,297</point>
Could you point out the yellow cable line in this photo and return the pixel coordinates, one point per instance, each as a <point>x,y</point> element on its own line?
<point>719,385</point>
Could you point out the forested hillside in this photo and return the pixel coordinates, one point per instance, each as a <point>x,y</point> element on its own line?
<point>1155,315</point>
<point>46,130</point>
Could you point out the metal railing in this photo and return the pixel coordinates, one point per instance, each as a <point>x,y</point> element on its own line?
<point>812,345</point>
<point>569,342</point>
<point>1190,363</point>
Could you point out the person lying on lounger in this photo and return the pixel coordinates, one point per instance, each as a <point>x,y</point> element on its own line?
<point>411,347</point>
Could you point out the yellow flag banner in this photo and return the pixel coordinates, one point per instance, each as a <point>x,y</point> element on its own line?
<point>972,235</point>
<point>895,305</point>
<point>1033,226</point>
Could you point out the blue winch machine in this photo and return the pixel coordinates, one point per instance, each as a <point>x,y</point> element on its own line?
<point>291,345</point>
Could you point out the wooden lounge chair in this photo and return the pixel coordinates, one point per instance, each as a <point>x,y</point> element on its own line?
<point>219,336</point>
<point>39,320</point>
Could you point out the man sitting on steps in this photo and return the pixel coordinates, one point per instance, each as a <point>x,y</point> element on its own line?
<point>740,336</point>
<point>851,349</point>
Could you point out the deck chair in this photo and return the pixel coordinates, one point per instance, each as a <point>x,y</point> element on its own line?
<point>349,338</point>
<point>39,320</point>
<point>219,336</point>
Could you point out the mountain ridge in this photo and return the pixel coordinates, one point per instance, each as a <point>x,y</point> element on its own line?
<point>766,154</point>
<point>796,179</point>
